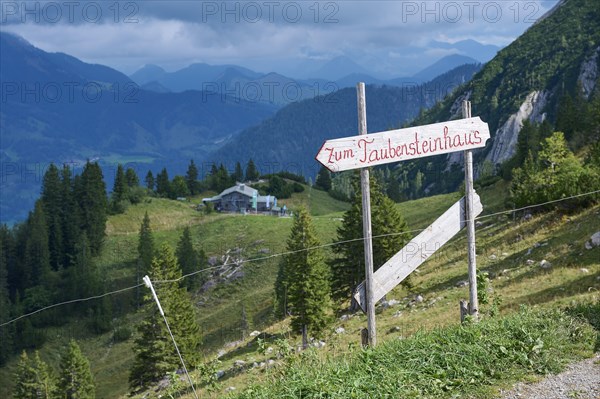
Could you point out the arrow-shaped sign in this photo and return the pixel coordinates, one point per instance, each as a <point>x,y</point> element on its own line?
<point>403,144</point>
<point>417,251</point>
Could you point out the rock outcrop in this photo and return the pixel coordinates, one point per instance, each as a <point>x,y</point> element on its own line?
<point>505,140</point>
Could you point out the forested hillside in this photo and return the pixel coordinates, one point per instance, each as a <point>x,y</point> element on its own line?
<point>288,140</point>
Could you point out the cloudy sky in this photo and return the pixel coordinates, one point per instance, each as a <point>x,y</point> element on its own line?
<point>390,38</point>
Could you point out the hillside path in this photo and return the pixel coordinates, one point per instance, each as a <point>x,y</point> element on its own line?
<point>579,381</point>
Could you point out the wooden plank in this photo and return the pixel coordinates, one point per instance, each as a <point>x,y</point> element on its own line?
<point>470,217</point>
<point>402,144</point>
<point>367,230</point>
<point>418,250</point>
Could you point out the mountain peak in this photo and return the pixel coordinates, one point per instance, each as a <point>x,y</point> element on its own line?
<point>14,39</point>
<point>339,67</point>
<point>443,65</point>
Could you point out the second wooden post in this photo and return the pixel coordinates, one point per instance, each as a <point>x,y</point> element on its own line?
<point>367,230</point>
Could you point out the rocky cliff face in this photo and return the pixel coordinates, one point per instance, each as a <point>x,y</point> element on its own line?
<point>589,73</point>
<point>505,139</point>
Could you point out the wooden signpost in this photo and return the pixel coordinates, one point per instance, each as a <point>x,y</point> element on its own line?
<point>373,149</point>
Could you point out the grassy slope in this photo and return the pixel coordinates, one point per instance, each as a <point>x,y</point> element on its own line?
<point>261,236</point>
<point>504,247</point>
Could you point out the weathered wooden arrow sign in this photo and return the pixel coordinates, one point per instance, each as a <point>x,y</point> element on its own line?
<point>417,251</point>
<point>403,144</point>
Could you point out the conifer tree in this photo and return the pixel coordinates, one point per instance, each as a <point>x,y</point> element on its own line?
<point>90,192</point>
<point>163,185</point>
<point>306,279</point>
<point>151,362</point>
<point>52,203</point>
<point>37,253</point>
<point>19,276</point>
<point>191,178</point>
<point>238,174</point>
<point>251,171</point>
<point>33,379</point>
<point>69,216</point>
<point>323,179</point>
<point>179,188</point>
<point>131,178</point>
<point>155,354</point>
<point>150,181</point>
<point>387,227</point>
<point>188,259</point>
<point>83,278</point>
<point>394,191</point>
<point>8,256</point>
<point>281,291</point>
<point>75,381</point>
<point>145,247</point>
<point>223,181</point>
<point>6,332</point>
<point>119,191</point>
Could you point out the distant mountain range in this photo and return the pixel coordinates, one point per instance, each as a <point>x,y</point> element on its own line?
<point>389,63</point>
<point>274,88</point>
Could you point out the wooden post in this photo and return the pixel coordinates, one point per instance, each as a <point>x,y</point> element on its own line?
<point>364,337</point>
<point>367,232</point>
<point>470,218</point>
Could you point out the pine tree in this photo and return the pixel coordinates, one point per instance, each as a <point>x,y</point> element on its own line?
<point>188,259</point>
<point>389,231</point>
<point>52,203</point>
<point>37,252</point>
<point>131,178</point>
<point>75,381</point>
<point>119,192</point>
<point>69,216</point>
<point>6,332</point>
<point>8,256</point>
<point>238,174</point>
<point>163,185</point>
<point>281,291</point>
<point>306,278</point>
<point>323,179</point>
<point>387,228</point>
<point>83,279</point>
<point>33,379</point>
<point>191,178</point>
<point>213,177</point>
<point>151,362</point>
<point>155,354</point>
<point>150,181</point>
<point>90,192</point>
<point>145,247</point>
<point>251,171</point>
<point>179,188</point>
<point>394,191</point>
<point>223,181</point>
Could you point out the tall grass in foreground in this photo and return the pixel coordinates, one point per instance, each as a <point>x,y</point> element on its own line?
<point>450,362</point>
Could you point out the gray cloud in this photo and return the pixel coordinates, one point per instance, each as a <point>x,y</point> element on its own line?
<point>266,35</point>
